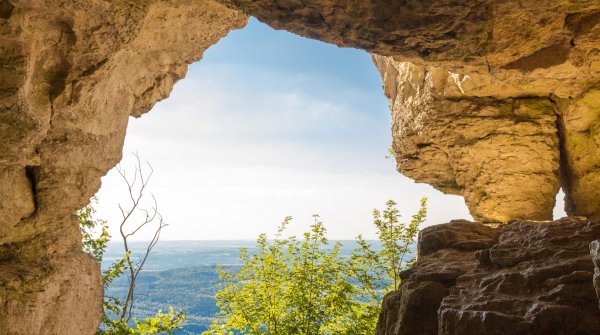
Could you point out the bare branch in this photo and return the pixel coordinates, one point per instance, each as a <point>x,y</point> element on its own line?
<point>136,191</point>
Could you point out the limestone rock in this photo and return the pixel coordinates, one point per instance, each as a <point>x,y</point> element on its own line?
<point>501,154</point>
<point>595,251</point>
<point>50,295</point>
<point>581,151</point>
<point>524,35</point>
<point>445,252</point>
<point>71,74</point>
<point>505,136</point>
<point>461,235</point>
<point>521,278</point>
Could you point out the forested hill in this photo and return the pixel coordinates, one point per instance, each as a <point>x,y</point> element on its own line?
<point>183,274</point>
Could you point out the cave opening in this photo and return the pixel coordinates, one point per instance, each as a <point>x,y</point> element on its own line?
<point>270,124</point>
<point>559,208</point>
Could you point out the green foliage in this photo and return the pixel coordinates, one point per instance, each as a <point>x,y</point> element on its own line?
<point>397,239</point>
<point>390,153</point>
<point>305,287</point>
<point>95,243</point>
<point>162,323</point>
<point>95,246</point>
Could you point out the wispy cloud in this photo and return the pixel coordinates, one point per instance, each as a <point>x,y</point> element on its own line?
<point>246,140</point>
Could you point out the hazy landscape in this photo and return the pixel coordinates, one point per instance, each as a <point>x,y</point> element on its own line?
<point>183,274</point>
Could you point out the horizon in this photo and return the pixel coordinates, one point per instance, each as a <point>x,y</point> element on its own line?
<point>235,240</point>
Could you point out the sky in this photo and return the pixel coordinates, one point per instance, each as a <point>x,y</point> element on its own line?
<point>267,125</point>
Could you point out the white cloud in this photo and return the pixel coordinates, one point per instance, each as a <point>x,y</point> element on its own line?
<point>236,148</point>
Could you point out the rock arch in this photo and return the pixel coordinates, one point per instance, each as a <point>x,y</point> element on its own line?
<point>496,100</point>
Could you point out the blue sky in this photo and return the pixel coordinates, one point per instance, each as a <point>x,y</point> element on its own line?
<point>269,124</point>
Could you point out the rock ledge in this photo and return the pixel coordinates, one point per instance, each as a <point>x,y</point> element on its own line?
<point>524,277</point>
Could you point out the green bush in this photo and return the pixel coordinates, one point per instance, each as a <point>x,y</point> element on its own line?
<point>304,287</point>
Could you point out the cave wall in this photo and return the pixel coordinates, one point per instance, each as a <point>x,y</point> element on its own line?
<point>496,100</point>
<point>72,72</point>
<point>507,137</point>
<point>595,252</point>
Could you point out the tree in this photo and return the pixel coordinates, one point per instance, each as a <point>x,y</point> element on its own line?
<point>397,239</point>
<point>118,319</point>
<point>306,287</point>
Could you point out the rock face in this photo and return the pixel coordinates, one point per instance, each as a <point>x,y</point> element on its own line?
<point>506,140</point>
<point>50,295</point>
<point>595,251</point>
<point>521,278</point>
<point>71,74</point>
<point>496,100</point>
<point>506,137</point>
<point>524,35</point>
<point>486,148</point>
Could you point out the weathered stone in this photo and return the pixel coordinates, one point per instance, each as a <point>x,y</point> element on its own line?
<point>71,74</point>
<point>17,198</point>
<point>595,251</point>
<point>442,258</point>
<point>461,128</point>
<point>476,32</point>
<point>533,279</point>
<point>581,150</point>
<point>501,154</point>
<point>458,234</point>
<point>50,295</point>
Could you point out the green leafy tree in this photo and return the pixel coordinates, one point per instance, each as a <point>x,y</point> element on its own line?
<point>305,287</point>
<point>118,319</point>
<point>397,239</point>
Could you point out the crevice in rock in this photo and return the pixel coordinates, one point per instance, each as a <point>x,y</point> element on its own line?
<point>544,58</point>
<point>582,23</point>
<point>30,173</point>
<point>57,76</point>
<point>564,173</point>
<point>94,68</point>
<point>6,9</point>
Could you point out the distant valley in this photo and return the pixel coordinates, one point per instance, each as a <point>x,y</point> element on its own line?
<point>183,274</point>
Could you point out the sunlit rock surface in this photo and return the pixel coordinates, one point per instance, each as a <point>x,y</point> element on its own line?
<point>506,137</point>
<point>521,278</point>
<point>501,154</point>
